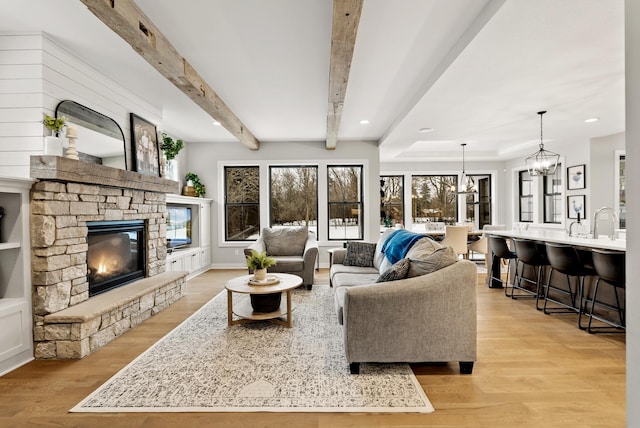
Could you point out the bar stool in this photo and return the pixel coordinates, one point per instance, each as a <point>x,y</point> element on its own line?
<point>530,253</point>
<point>566,260</point>
<point>610,268</point>
<point>499,248</point>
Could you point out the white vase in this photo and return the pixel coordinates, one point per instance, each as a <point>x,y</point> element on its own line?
<point>53,146</point>
<point>260,274</point>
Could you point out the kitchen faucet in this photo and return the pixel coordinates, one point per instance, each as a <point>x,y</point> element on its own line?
<point>613,216</point>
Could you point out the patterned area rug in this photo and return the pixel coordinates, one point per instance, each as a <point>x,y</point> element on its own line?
<point>205,366</point>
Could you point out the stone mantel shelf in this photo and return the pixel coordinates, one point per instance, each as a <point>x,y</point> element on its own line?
<point>57,168</point>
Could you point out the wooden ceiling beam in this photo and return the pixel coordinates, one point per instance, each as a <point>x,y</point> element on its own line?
<point>127,20</point>
<point>346,17</point>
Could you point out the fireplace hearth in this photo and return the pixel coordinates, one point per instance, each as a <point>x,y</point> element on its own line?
<point>116,254</point>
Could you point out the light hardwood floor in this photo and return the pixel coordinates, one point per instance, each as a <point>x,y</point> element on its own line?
<point>533,370</point>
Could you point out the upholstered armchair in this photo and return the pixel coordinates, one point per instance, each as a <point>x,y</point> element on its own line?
<point>295,249</point>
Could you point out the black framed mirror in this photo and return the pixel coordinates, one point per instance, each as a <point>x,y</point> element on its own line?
<point>100,138</point>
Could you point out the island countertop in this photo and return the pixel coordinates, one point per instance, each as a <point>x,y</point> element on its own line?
<point>562,237</point>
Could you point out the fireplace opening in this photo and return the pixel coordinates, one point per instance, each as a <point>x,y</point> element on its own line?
<point>116,254</point>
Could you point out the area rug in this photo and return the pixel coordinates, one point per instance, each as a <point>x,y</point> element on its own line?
<point>203,365</point>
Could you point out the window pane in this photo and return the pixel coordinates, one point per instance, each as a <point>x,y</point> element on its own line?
<point>345,220</point>
<point>294,197</point>
<point>243,222</point>
<point>433,199</point>
<point>345,202</point>
<point>391,200</point>
<point>242,203</point>
<point>525,189</point>
<point>553,197</point>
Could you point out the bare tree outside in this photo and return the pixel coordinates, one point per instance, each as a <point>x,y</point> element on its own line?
<point>345,202</point>
<point>433,198</point>
<point>242,202</point>
<point>391,200</point>
<point>294,196</point>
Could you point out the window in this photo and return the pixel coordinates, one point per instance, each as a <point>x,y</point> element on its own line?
<point>526,196</point>
<point>478,206</point>
<point>552,204</point>
<point>345,202</point>
<point>391,200</point>
<point>294,196</point>
<point>242,202</point>
<point>433,199</point>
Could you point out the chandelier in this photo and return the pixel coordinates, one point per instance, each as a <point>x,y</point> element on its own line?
<point>542,162</point>
<point>467,185</point>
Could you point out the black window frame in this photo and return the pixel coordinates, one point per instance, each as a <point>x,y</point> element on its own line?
<point>522,196</point>
<point>344,204</point>
<point>555,196</point>
<point>243,205</point>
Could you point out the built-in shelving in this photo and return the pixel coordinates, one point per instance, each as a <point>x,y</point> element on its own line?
<point>16,340</point>
<point>196,258</point>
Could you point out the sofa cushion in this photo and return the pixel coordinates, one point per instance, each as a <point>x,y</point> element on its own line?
<point>437,260</point>
<point>340,268</point>
<point>349,279</point>
<point>359,254</point>
<point>397,271</point>
<point>288,264</point>
<point>423,249</point>
<point>285,242</point>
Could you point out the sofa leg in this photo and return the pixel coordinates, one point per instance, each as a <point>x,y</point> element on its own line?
<point>466,367</point>
<point>354,368</point>
<point>309,286</point>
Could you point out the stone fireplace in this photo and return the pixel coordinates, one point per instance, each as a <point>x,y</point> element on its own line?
<point>126,214</point>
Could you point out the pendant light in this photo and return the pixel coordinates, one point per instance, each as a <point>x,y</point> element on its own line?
<point>542,162</point>
<point>467,185</point>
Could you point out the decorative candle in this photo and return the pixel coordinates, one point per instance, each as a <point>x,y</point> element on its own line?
<point>72,132</point>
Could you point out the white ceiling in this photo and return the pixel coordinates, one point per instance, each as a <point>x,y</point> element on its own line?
<point>475,71</point>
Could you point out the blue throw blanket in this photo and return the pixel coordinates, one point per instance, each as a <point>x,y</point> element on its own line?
<point>396,246</point>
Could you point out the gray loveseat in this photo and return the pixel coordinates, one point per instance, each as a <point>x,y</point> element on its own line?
<point>295,249</point>
<point>426,318</point>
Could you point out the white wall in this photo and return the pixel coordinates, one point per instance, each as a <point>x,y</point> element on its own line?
<point>205,160</point>
<point>632,72</point>
<point>36,74</point>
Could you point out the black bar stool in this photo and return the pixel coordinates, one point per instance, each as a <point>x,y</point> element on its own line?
<point>566,260</point>
<point>499,248</point>
<point>610,268</point>
<point>530,253</point>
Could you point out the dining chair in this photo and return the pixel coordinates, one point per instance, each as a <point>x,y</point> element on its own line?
<point>457,237</point>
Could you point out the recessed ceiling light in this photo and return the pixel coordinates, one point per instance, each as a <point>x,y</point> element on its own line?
<point>216,123</point>
<point>591,120</point>
<point>425,130</point>
<point>364,122</point>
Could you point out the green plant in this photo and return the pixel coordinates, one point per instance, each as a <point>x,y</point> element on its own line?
<point>170,147</point>
<point>195,180</point>
<point>55,124</point>
<point>260,260</point>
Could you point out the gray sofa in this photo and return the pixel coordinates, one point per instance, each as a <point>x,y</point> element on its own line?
<point>295,249</point>
<point>427,318</point>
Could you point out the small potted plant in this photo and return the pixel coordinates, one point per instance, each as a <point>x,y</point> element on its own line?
<point>194,181</point>
<point>54,124</point>
<point>53,144</point>
<point>258,263</point>
<point>170,147</point>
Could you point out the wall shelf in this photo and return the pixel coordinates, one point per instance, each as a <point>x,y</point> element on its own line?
<point>9,245</point>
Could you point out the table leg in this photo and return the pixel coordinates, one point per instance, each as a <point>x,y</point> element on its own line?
<point>289,324</point>
<point>229,307</point>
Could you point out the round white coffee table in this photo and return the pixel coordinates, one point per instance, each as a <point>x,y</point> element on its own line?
<point>245,311</point>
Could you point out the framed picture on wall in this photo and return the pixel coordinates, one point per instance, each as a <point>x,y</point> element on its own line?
<point>576,177</point>
<point>144,146</point>
<point>575,206</point>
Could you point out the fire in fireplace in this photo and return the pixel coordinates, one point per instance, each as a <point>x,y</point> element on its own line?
<point>116,254</point>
